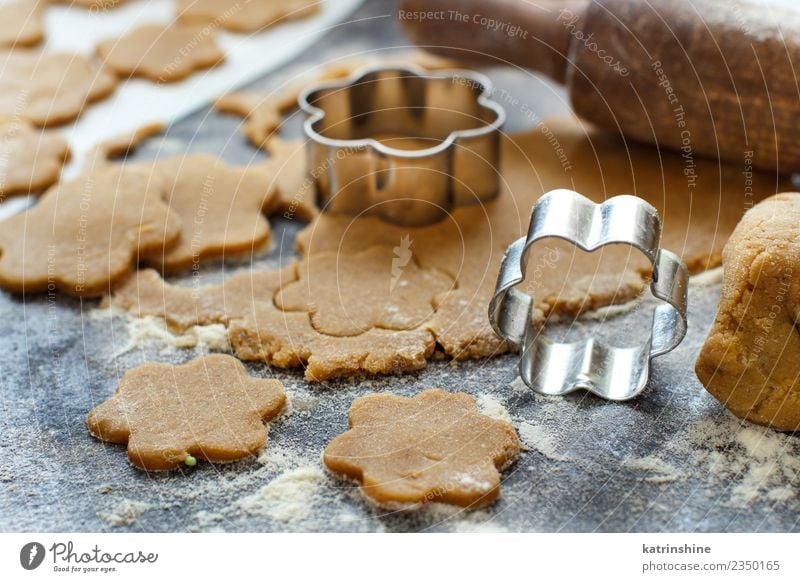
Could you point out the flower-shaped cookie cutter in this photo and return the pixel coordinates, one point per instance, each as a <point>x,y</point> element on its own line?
<point>403,143</point>
<point>614,373</point>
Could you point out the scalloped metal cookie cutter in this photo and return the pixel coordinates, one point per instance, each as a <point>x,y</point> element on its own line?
<point>444,124</point>
<point>614,373</point>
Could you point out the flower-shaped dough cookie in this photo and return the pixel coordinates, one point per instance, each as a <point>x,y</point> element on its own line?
<point>86,234</point>
<point>221,208</point>
<point>209,408</point>
<point>380,287</point>
<point>239,16</point>
<point>432,447</point>
<point>49,88</point>
<point>21,23</point>
<point>30,161</point>
<point>161,53</point>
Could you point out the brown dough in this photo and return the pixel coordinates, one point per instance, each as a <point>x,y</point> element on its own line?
<point>21,23</point>
<point>263,112</point>
<point>86,234</point>
<point>30,160</point>
<point>751,359</point>
<point>161,53</point>
<point>220,206</point>
<point>258,330</point>
<point>49,88</point>
<point>380,287</point>
<point>120,145</point>
<point>92,4</point>
<point>433,447</point>
<point>296,195</point>
<point>562,153</point>
<point>209,408</point>
<point>469,244</point>
<point>250,16</point>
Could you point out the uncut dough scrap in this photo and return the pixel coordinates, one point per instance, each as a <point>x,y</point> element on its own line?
<point>751,359</point>
<point>49,88</point>
<point>263,112</point>
<point>468,246</point>
<point>161,53</point>
<point>86,234</point>
<point>347,299</point>
<point>258,330</point>
<point>432,447</point>
<point>30,160</point>
<point>209,408</point>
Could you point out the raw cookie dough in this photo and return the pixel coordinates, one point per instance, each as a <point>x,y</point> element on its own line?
<point>49,88</point>
<point>30,160</point>
<point>698,216</point>
<point>258,330</point>
<point>296,195</point>
<point>263,112</point>
<point>21,23</point>
<point>220,206</point>
<point>238,16</point>
<point>433,447</point>
<point>86,234</point>
<point>93,4</point>
<point>164,54</point>
<point>120,145</point>
<point>468,247</point>
<point>209,408</point>
<point>751,359</point>
<point>379,287</point>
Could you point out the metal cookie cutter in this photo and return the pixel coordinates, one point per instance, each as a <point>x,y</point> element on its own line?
<point>614,373</point>
<point>403,143</point>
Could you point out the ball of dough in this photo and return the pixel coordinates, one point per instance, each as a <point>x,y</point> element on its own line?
<point>751,359</point>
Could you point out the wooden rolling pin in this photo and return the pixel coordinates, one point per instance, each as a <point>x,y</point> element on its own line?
<point>711,78</point>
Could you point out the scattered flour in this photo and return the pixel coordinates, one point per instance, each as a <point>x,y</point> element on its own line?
<point>471,484</point>
<point>300,401</point>
<point>289,497</point>
<point>124,512</point>
<point>465,526</point>
<point>493,408</point>
<point>208,519</point>
<point>279,458</point>
<point>105,312</point>
<point>537,438</point>
<point>706,278</point>
<point>211,337</point>
<point>148,330</point>
<point>609,311</point>
<point>750,462</point>
<point>656,470</point>
<point>518,386</point>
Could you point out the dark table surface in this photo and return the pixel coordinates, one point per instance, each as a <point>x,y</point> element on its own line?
<point>671,460</point>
